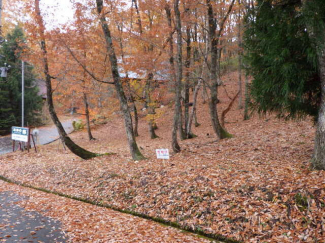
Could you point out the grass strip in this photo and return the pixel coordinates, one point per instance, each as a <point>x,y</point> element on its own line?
<point>187,229</point>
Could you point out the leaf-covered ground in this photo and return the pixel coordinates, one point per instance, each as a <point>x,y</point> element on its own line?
<point>255,187</point>
<point>82,222</point>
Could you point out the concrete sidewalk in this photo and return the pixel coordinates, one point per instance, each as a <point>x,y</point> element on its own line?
<point>46,135</point>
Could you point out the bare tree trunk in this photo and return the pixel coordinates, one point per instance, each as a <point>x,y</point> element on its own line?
<point>204,93</point>
<point>240,60</point>
<point>135,111</point>
<point>318,161</point>
<point>135,152</point>
<point>90,136</point>
<point>130,95</point>
<point>181,130</point>
<point>193,115</point>
<point>73,147</point>
<point>175,145</point>
<point>1,38</point>
<point>246,116</point>
<point>147,91</point>
<point>86,104</point>
<point>136,120</point>
<point>224,113</point>
<point>187,79</point>
<point>196,123</point>
<point>214,41</point>
<point>171,46</point>
<point>151,108</point>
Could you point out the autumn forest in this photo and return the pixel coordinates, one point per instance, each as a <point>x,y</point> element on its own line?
<point>235,89</point>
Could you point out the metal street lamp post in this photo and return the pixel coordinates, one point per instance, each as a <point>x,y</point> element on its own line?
<point>22,92</point>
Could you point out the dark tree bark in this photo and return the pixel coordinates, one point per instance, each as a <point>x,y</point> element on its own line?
<point>318,161</point>
<point>130,95</point>
<point>224,113</point>
<point>317,36</point>
<point>246,116</point>
<point>135,152</point>
<point>214,41</point>
<point>73,147</point>
<point>85,98</point>
<point>135,110</point>
<point>136,120</point>
<point>175,145</point>
<point>90,136</point>
<point>171,44</point>
<point>138,15</point>
<point>86,104</point>
<point>151,108</point>
<point>240,60</point>
<point>148,104</point>
<point>187,78</point>
<point>193,115</point>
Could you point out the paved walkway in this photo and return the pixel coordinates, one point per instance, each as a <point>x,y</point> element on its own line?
<point>46,135</point>
<point>19,225</point>
<point>28,215</point>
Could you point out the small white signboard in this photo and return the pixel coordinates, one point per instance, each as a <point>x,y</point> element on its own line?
<point>162,153</point>
<point>20,134</point>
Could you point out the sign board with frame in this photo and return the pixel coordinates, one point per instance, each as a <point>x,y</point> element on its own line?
<point>20,134</point>
<point>162,153</point>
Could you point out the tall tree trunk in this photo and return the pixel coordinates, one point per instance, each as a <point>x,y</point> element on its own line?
<point>135,110</point>
<point>147,91</point>
<point>240,60</point>
<point>318,38</point>
<point>171,44</point>
<point>246,116</point>
<point>318,161</point>
<point>90,136</point>
<point>130,96</point>
<point>181,130</point>
<point>176,84</point>
<point>85,99</point>
<point>1,20</point>
<point>187,79</point>
<point>193,115</point>
<point>135,152</point>
<point>151,108</point>
<point>73,147</point>
<point>175,145</point>
<point>214,41</point>
<point>136,120</point>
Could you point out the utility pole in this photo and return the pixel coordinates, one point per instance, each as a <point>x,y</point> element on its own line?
<point>1,38</point>
<point>22,92</point>
<point>0,16</point>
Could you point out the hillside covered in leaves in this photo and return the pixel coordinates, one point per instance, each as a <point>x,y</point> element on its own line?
<point>254,187</point>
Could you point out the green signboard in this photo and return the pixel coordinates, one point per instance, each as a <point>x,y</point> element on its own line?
<point>20,134</point>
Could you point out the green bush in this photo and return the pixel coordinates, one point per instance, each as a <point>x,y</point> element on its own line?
<point>78,125</point>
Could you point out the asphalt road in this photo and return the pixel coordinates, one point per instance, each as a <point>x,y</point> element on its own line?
<point>46,135</point>
<point>19,225</point>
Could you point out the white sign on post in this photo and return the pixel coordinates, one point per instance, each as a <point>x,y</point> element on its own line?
<point>162,153</point>
<point>20,134</point>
